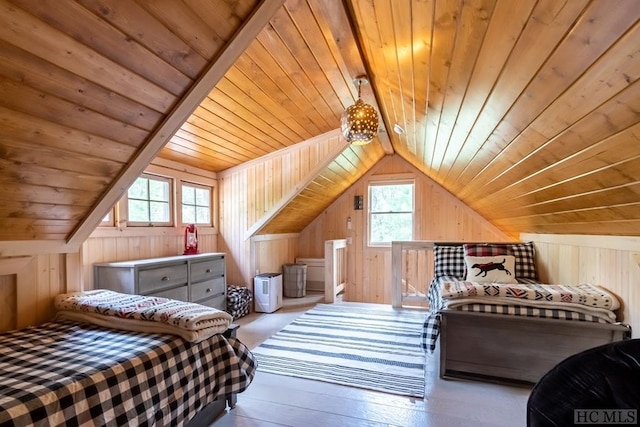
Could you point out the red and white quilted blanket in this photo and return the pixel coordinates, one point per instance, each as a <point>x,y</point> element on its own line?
<point>584,298</point>
<point>584,294</point>
<point>193,322</point>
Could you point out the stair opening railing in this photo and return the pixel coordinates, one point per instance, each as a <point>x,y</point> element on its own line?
<point>335,269</point>
<point>412,270</point>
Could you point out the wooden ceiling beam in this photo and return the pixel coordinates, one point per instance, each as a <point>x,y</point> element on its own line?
<point>245,35</point>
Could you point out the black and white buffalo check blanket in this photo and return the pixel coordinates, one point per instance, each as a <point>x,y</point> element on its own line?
<point>70,373</point>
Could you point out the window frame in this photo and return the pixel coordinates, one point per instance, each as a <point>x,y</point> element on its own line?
<point>181,207</point>
<point>170,202</point>
<point>386,182</point>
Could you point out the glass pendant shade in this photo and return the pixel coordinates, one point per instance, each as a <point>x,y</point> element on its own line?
<point>359,122</point>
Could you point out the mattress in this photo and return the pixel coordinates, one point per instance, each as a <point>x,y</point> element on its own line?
<point>71,373</point>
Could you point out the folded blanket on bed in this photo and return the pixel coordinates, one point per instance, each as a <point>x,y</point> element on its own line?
<point>193,322</point>
<point>583,294</point>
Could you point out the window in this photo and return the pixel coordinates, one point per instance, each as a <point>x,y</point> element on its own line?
<point>149,201</point>
<point>390,212</point>
<point>108,220</point>
<point>196,204</point>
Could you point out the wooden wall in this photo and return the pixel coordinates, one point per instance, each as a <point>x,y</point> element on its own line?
<point>439,215</point>
<point>28,285</point>
<point>610,261</point>
<point>249,191</point>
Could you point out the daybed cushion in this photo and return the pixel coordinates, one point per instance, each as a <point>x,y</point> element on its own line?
<point>524,254</point>
<point>490,269</point>
<point>449,261</point>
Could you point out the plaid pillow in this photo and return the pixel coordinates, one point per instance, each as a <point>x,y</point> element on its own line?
<point>449,261</point>
<point>525,254</point>
<point>482,249</point>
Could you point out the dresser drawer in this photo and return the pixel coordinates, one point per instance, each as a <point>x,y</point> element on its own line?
<point>180,294</point>
<point>206,270</point>
<point>207,289</point>
<point>216,302</point>
<point>153,279</point>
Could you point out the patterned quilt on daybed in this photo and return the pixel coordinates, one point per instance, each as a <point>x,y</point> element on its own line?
<point>72,373</point>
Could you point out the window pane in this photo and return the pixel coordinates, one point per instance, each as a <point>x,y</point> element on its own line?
<point>188,195</point>
<point>391,198</point>
<point>139,189</point>
<point>203,215</point>
<point>202,197</point>
<point>188,214</point>
<point>389,227</point>
<point>158,190</point>
<point>159,211</point>
<point>138,211</point>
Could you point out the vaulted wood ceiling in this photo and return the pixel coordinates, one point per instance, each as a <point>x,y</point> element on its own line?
<point>528,110</point>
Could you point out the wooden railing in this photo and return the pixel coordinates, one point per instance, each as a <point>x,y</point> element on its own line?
<point>412,270</point>
<point>335,268</point>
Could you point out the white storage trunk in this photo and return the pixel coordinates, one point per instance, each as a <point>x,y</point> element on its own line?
<point>315,273</point>
<point>267,290</point>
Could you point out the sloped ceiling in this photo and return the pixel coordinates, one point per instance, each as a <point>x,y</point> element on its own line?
<point>527,110</point>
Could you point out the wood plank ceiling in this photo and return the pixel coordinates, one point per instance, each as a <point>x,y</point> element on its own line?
<point>528,110</point>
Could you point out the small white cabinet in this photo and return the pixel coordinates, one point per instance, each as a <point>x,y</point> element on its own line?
<point>197,278</point>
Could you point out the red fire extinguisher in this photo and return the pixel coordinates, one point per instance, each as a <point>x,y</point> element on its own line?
<point>190,240</point>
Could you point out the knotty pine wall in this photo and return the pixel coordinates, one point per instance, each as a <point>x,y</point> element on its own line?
<point>609,261</point>
<point>439,216</point>
<point>249,191</point>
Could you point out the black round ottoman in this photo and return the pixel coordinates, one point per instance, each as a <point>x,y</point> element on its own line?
<point>602,378</point>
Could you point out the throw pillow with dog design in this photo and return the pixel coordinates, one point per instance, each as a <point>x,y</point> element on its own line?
<point>491,269</point>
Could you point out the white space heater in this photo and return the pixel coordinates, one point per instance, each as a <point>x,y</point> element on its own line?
<point>267,289</point>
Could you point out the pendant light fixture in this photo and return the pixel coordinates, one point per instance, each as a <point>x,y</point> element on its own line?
<point>360,121</point>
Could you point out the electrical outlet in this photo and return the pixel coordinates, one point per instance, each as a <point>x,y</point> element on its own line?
<point>257,272</point>
<point>349,240</point>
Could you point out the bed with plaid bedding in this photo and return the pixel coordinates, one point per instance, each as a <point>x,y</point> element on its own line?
<point>72,373</point>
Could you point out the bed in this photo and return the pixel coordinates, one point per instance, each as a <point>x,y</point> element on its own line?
<point>72,372</point>
<point>496,322</point>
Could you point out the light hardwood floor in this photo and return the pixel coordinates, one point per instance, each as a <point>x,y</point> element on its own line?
<point>275,400</point>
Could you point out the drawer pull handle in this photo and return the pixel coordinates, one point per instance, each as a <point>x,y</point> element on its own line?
<point>208,290</point>
<point>208,270</point>
<point>165,278</point>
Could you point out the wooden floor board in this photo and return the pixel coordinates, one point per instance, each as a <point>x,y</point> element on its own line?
<point>276,400</point>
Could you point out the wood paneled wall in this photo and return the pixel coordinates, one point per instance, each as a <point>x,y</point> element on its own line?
<point>439,216</point>
<point>609,261</point>
<point>28,285</point>
<point>271,251</point>
<point>249,191</point>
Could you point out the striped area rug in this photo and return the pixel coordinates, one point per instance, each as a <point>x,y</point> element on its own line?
<point>351,344</point>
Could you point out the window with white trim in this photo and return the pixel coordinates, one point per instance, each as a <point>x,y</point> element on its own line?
<point>149,201</point>
<point>391,208</point>
<point>196,204</point>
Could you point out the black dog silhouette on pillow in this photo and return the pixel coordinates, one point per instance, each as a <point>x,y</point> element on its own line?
<point>485,268</point>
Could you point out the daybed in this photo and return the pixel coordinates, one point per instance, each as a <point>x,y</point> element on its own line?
<point>496,321</point>
<point>72,372</point>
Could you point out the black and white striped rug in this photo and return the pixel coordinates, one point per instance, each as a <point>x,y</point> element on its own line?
<point>351,344</point>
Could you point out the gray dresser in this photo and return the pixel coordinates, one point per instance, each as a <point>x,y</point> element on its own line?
<point>197,278</point>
